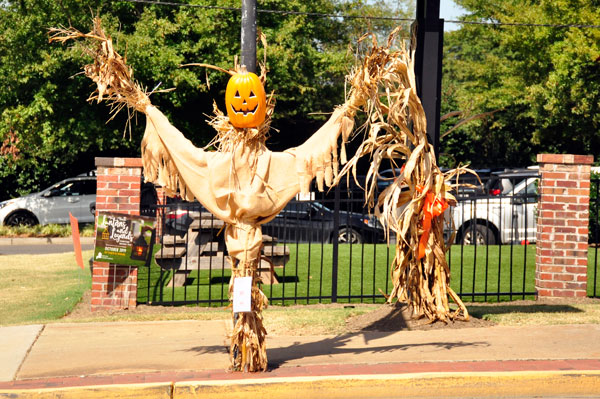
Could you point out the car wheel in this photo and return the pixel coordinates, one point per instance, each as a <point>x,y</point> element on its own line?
<point>21,219</point>
<point>478,234</point>
<point>347,235</point>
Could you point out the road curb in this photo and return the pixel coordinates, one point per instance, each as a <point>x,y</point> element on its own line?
<point>415,385</point>
<point>133,391</point>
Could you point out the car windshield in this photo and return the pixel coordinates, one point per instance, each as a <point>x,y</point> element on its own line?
<point>526,187</point>
<point>513,185</point>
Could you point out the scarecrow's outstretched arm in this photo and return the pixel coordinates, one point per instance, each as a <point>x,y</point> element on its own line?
<point>318,156</point>
<point>170,160</point>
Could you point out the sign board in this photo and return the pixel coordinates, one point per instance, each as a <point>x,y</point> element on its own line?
<point>125,239</point>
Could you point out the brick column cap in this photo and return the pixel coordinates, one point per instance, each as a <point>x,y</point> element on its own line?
<point>118,162</point>
<point>568,159</point>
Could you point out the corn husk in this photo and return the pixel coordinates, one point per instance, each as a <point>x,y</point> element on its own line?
<point>395,131</point>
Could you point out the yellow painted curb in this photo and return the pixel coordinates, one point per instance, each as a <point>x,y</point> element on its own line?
<point>133,391</point>
<point>418,385</point>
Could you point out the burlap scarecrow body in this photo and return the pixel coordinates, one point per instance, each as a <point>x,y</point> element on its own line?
<point>245,188</point>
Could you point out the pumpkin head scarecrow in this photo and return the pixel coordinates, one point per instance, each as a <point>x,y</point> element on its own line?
<point>245,99</point>
<point>243,183</point>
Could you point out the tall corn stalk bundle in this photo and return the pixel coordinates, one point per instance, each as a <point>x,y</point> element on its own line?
<point>412,206</point>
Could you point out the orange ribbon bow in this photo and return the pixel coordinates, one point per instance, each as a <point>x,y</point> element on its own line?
<point>432,207</point>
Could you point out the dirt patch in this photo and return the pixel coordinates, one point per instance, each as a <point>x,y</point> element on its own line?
<point>383,318</point>
<point>398,317</point>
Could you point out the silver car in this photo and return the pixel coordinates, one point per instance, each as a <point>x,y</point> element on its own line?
<point>506,218</point>
<point>53,204</point>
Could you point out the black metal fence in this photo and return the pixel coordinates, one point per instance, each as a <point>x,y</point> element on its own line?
<point>327,248</point>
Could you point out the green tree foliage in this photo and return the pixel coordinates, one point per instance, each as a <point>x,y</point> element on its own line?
<point>48,131</point>
<point>542,83</point>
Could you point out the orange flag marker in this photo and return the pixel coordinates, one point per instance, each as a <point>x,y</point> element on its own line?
<point>76,241</point>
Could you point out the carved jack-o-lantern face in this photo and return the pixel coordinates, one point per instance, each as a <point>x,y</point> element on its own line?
<point>245,99</point>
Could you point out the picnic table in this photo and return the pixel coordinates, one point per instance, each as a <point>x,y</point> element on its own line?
<point>203,248</point>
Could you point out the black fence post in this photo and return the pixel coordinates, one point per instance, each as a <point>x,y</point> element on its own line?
<point>428,64</point>
<point>335,249</point>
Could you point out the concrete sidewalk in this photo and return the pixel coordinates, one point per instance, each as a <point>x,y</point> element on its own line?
<point>156,359</point>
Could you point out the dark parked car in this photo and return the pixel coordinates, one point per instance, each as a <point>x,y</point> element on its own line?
<point>304,221</point>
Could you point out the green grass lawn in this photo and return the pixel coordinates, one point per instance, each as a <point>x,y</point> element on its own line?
<point>477,273</point>
<point>43,288</point>
<point>493,272</point>
<point>40,288</point>
<point>49,230</point>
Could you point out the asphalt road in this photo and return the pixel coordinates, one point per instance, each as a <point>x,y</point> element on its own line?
<point>40,246</point>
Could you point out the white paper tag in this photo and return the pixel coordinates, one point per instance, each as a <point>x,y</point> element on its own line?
<point>242,298</point>
<point>305,196</point>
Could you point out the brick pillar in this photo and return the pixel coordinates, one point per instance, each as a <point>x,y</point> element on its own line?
<point>562,225</point>
<point>119,182</point>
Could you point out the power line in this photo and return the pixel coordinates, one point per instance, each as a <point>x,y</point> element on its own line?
<point>346,16</point>
<point>264,11</point>
<point>522,24</point>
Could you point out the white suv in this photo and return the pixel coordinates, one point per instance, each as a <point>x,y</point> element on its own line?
<point>53,204</point>
<point>507,218</point>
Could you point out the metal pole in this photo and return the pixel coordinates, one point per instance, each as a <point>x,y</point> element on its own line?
<point>428,64</point>
<point>249,34</point>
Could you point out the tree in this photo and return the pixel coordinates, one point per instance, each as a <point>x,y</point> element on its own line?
<point>542,83</point>
<point>48,131</point>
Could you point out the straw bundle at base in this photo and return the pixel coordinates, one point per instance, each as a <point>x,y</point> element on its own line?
<point>248,348</point>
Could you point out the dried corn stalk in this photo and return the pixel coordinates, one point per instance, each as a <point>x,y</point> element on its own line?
<point>248,349</point>
<point>113,77</point>
<point>396,130</point>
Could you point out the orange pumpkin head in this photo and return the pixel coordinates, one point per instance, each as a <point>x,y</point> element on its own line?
<point>245,99</point>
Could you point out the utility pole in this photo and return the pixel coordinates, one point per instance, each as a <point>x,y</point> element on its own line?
<point>428,65</point>
<point>249,35</point>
